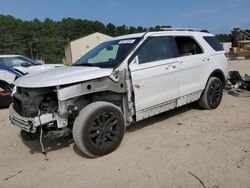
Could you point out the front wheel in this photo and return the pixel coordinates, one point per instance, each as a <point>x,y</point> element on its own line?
<point>98,129</point>
<point>212,95</point>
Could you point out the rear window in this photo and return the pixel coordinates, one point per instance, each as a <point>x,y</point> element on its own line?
<point>214,43</point>
<point>187,46</point>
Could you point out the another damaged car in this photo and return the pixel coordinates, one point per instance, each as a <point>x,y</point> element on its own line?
<point>7,75</point>
<point>120,82</point>
<point>25,64</point>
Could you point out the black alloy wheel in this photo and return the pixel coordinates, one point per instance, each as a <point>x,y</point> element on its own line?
<point>215,93</point>
<point>212,94</point>
<point>104,130</point>
<point>99,128</point>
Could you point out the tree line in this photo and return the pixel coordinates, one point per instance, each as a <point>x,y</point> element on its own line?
<point>45,40</point>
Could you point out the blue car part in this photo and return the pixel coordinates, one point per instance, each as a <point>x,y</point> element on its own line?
<point>6,88</point>
<point>11,70</point>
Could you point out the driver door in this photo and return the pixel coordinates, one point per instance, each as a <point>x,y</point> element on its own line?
<point>155,76</point>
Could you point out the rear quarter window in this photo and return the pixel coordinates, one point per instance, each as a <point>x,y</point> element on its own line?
<point>214,43</point>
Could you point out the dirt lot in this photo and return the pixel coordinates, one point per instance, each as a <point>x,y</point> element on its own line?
<point>179,148</point>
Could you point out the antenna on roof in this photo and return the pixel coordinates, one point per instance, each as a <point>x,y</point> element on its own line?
<point>182,29</point>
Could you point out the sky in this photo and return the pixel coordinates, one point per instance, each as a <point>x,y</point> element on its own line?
<point>217,16</point>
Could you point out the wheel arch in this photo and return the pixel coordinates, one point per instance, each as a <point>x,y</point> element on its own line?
<point>82,101</point>
<point>3,82</point>
<point>218,74</point>
<point>106,96</point>
<point>6,86</point>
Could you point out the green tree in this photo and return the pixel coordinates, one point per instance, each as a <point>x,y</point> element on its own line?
<point>110,30</point>
<point>46,39</point>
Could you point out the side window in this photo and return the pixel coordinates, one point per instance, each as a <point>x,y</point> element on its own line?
<point>214,43</point>
<point>157,48</point>
<point>187,46</point>
<point>13,61</point>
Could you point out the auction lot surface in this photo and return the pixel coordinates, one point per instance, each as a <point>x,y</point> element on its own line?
<point>179,148</point>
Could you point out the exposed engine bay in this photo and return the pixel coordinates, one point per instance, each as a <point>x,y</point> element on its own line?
<point>55,108</point>
<point>28,101</point>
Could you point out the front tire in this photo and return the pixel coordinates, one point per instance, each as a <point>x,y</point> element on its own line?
<point>212,95</point>
<point>98,129</point>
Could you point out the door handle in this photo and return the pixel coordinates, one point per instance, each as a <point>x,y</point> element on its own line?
<point>171,67</point>
<point>206,59</point>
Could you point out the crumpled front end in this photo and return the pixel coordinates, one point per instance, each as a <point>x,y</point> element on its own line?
<point>30,124</point>
<point>56,107</point>
<point>32,108</point>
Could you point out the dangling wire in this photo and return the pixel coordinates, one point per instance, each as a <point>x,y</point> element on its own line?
<point>44,152</point>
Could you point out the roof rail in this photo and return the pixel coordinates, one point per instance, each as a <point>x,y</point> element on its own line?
<point>183,29</point>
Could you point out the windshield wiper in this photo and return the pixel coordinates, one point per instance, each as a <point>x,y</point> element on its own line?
<point>85,64</point>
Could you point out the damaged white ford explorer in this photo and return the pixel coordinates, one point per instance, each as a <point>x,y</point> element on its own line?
<point>120,82</point>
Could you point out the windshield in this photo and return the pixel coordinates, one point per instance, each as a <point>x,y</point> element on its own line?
<point>31,60</point>
<point>108,54</point>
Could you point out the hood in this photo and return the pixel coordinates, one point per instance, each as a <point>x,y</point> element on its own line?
<point>51,65</point>
<point>62,76</point>
<point>38,68</point>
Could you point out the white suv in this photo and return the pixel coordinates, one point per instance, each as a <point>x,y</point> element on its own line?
<point>121,81</point>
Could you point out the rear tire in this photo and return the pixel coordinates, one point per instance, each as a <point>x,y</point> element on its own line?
<point>212,95</point>
<point>98,129</point>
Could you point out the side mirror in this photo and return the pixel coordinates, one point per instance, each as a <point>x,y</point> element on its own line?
<point>135,61</point>
<point>134,64</point>
<point>26,64</point>
<point>41,62</point>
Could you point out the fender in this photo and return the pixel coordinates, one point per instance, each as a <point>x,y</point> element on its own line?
<point>218,74</point>
<point>11,70</point>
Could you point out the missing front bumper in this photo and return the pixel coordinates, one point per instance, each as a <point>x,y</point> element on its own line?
<point>29,124</point>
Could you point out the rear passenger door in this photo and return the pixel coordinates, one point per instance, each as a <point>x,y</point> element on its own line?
<point>193,63</point>
<point>155,76</point>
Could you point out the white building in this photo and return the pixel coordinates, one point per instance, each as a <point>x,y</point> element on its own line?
<point>77,48</point>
